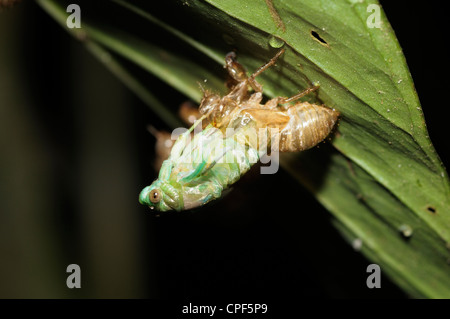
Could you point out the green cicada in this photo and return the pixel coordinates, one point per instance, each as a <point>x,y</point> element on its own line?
<point>240,131</point>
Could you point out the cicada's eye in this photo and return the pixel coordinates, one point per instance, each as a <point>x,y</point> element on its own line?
<point>155,196</point>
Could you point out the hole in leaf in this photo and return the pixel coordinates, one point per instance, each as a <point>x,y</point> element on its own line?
<point>431,209</point>
<point>317,37</point>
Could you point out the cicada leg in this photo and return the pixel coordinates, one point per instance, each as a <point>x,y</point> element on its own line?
<point>251,80</point>
<point>284,100</point>
<point>273,103</point>
<point>238,73</point>
<point>239,80</point>
<point>234,68</point>
<point>215,192</point>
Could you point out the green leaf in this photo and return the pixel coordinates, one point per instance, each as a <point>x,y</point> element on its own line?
<point>383,181</point>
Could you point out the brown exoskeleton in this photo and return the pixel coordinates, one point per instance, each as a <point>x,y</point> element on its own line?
<point>199,170</point>
<point>300,126</point>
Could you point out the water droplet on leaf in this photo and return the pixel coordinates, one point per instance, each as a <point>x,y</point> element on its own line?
<point>276,42</point>
<point>406,230</point>
<point>357,244</point>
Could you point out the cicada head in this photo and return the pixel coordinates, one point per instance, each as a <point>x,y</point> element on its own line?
<point>209,102</point>
<point>161,196</point>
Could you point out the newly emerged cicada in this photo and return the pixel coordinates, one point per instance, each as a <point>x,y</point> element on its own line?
<point>239,131</point>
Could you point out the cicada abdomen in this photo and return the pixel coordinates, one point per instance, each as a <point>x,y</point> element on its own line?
<point>309,124</point>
